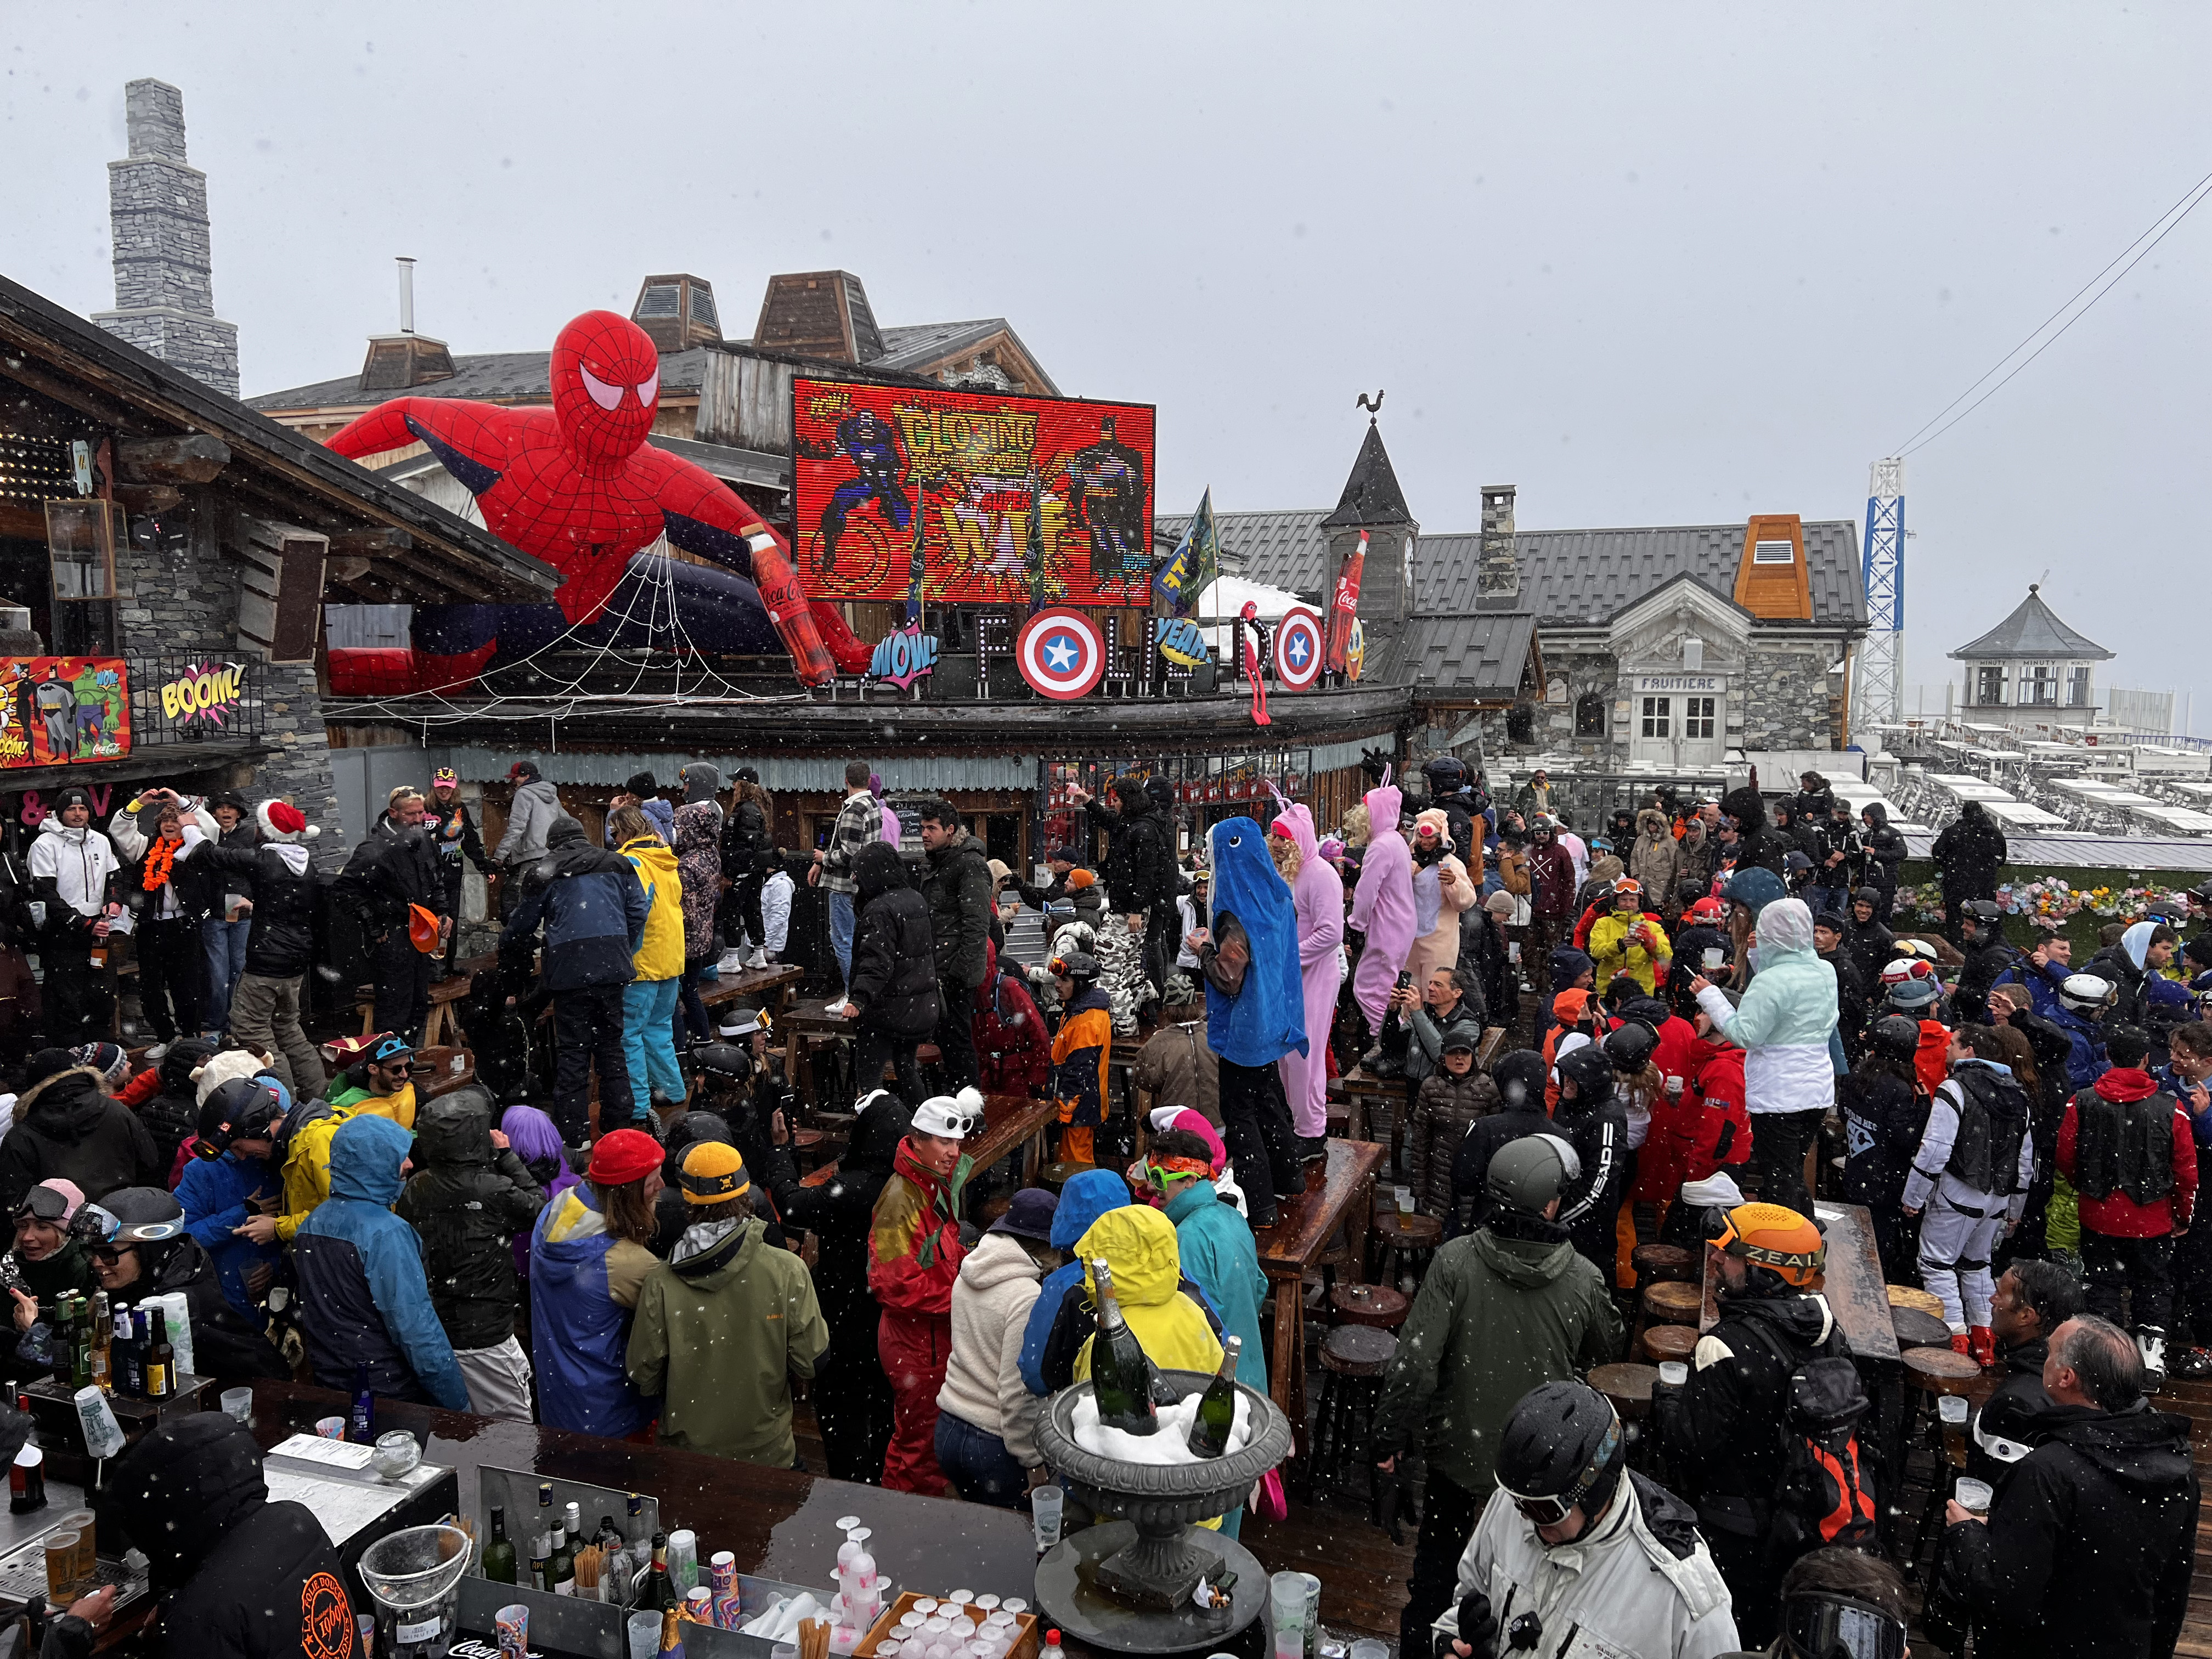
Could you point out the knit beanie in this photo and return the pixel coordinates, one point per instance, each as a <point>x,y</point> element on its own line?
<point>713,1173</point>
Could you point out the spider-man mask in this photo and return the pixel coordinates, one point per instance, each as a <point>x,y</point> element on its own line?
<point>606,385</point>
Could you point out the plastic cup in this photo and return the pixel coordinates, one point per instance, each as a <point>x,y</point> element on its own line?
<point>1712,957</point>
<point>1045,1504</point>
<point>1405,1200</point>
<point>512,1626</point>
<point>1673,1372</point>
<point>61,1568</point>
<point>1953,1409</point>
<point>1286,1608</point>
<point>1368,1648</point>
<point>643,1630</point>
<point>238,1403</point>
<point>1973,1495</point>
<point>330,1428</point>
<point>85,1526</point>
<point>784,1650</point>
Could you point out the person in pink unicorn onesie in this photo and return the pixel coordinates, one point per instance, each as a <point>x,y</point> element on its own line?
<point>1382,903</point>
<point>1318,892</point>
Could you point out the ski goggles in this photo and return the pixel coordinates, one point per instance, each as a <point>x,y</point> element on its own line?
<point>1161,1170</point>
<point>1825,1625</point>
<point>1550,1509</point>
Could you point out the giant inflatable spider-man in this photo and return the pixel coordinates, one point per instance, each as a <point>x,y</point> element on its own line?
<point>577,486</point>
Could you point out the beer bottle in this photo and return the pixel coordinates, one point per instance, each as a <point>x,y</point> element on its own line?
<point>1217,1407</point>
<point>80,1347</point>
<point>64,1339</point>
<point>161,1360</point>
<point>660,1595</point>
<point>499,1553</point>
<point>103,1343</point>
<point>1121,1375</point>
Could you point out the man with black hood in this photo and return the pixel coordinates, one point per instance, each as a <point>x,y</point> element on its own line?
<point>1139,861</point>
<point>2087,1552</point>
<point>238,1575</point>
<point>393,873</point>
<point>1591,1118</point>
<point>1758,842</point>
<point>1502,1310</point>
<point>468,1197</point>
<point>893,993</point>
<point>67,1126</point>
<point>172,1113</point>
<point>1866,940</point>
<point>149,1253</point>
<point>1968,854</point>
<point>593,909</point>
<point>852,1395</point>
<point>957,884</point>
<point>1520,1077</point>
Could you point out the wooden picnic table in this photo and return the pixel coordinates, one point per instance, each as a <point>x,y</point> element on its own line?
<point>1853,1283</point>
<point>774,986</point>
<point>1009,1121</point>
<point>1338,1194</point>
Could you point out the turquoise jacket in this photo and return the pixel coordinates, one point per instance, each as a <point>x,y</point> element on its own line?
<point>1219,1255</point>
<point>1787,1018</point>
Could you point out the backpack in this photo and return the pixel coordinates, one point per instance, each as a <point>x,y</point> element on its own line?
<point>1826,1493</point>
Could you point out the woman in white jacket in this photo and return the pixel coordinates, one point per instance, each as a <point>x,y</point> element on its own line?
<point>986,1415</point>
<point>1783,1025</point>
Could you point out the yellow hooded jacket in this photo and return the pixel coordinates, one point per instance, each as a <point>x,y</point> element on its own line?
<point>661,956</point>
<point>1634,944</point>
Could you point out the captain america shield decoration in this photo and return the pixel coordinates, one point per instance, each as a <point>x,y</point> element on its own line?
<point>1061,654</point>
<point>1297,649</point>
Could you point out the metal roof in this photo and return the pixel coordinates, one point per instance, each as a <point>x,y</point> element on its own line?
<point>1371,495</point>
<point>2033,631</point>
<point>2089,852</point>
<point>1569,578</point>
<point>1472,654</point>
<point>488,375</point>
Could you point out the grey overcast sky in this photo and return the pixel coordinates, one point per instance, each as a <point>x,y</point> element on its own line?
<point>1654,265</point>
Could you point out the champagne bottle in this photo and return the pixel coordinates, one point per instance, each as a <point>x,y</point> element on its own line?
<point>659,1594</point>
<point>672,1634</point>
<point>1121,1375</point>
<point>1217,1407</point>
<point>561,1565</point>
<point>499,1553</point>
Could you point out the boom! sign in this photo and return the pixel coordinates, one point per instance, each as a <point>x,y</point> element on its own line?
<point>1014,501</point>
<point>205,692</point>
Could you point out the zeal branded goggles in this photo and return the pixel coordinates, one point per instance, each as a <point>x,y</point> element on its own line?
<point>1822,1625</point>
<point>1552,1508</point>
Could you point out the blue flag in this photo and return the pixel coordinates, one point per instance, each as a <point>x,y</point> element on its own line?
<point>1196,561</point>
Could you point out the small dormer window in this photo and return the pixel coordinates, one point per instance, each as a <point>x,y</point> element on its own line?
<point>2077,686</point>
<point>2041,688</point>
<point>1773,552</point>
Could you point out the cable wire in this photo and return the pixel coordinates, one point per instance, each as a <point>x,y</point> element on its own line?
<point>2190,199</point>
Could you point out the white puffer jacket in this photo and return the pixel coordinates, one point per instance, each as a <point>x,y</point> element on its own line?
<point>1618,1592</point>
<point>1786,1018</point>
<point>983,1386</point>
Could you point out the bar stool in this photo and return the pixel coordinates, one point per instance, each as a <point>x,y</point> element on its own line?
<point>1911,1296</point>
<point>806,1147</point>
<point>1663,1342</point>
<point>1409,1243</point>
<point>1355,1358</point>
<point>1933,1372</point>
<point>1664,1263</point>
<point>1629,1388</point>
<point>1668,1302</point>
<point>1916,1329</point>
<point>1374,1305</point>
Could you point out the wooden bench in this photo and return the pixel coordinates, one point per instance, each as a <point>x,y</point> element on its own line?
<point>444,993</point>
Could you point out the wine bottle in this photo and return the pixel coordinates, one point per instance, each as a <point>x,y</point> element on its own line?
<point>499,1553</point>
<point>1217,1407</point>
<point>161,1361</point>
<point>561,1565</point>
<point>660,1595</point>
<point>1121,1375</point>
<point>541,1550</point>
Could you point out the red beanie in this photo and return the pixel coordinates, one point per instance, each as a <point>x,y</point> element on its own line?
<point>625,1156</point>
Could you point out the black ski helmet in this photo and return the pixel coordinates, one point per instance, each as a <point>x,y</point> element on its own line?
<point>728,1059</point>
<point>1592,1075</point>
<point>1895,1037</point>
<point>1631,1048</point>
<point>1563,1447</point>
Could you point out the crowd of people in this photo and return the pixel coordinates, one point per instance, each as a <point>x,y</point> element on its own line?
<point>1652,1035</point>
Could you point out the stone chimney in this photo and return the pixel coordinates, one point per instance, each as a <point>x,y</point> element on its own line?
<point>164,285</point>
<point>1498,587</point>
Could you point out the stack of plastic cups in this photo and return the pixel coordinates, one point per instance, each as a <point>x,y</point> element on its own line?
<point>722,1580</point>
<point>1286,1611</point>
<point>684,1560</point>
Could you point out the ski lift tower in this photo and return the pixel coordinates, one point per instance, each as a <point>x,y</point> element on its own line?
<point>1878,689</point>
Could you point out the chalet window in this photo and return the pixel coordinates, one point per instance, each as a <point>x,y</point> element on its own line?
<point>1697,717</point>
<point>2041,687</point>
<point>1773,552</point>
<point>1521,724</point>
<point>1590,716</point>
<point>81,538</point>
<point>1657,713</point>
<point>1989,685</point>
<point>2078,687</point>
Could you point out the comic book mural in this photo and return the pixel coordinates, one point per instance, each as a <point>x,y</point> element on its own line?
<point>1012,500</point>
<point>55,711</point>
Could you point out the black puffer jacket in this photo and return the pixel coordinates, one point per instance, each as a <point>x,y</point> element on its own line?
<point>2087,1554</point>
<point>247,1577</point>
<point>838,1213</point>
<point>894,955</point>
<point>395,866</point>
<point>172,1116</point>
<point>1145,874</point>
<point>468,1199</point>
<point>1968,854</point>
<point>287,893</point>
<point>745,841</point>
<point>68,1127</point>
<point>958,887</point>
<point>203,889</point>
<point>1761,843</point>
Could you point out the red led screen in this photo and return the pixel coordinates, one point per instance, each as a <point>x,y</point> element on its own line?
<point>877,463</point>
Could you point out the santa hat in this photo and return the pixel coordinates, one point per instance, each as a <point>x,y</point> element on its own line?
<point>281,821</point>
